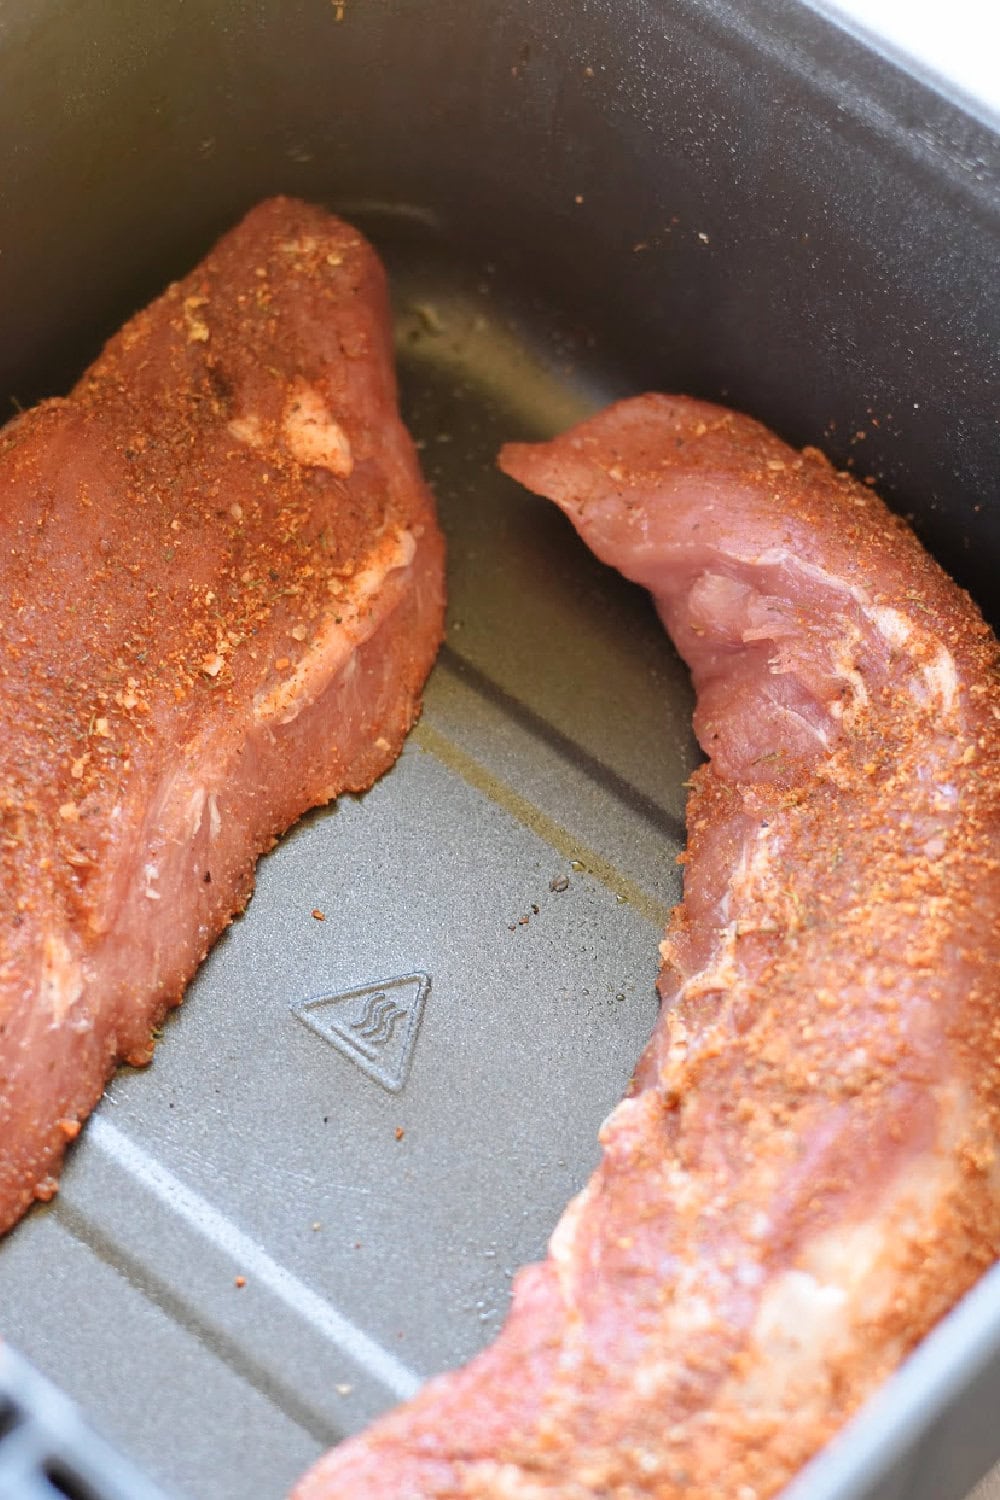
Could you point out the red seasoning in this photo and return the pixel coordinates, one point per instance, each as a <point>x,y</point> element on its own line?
<point>804,1176</point>
<point>228,488</point>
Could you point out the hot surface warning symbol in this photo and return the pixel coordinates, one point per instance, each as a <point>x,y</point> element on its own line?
<point>375,1026</point>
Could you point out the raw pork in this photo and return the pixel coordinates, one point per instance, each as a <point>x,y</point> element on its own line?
<point>804,1177</point>
<point>220,594</point>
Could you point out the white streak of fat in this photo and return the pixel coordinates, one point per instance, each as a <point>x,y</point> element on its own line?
<point>60,981</point>
<point>196,810</point>
<point>501,1481</point>
<point>799,719</point>
<point>247,430</point>
<point>754,901</point>
<point>898,630</point>
<point>892,626</point>
<point>844,656</point>
<point>942,678</point>
<point>312,434</point>
<point>334,644</point>
<point>797,1309</point>
<point>563,1240</point>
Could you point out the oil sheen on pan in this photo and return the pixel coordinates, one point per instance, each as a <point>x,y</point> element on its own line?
<point>221,590</point>
<point>804,1177</point>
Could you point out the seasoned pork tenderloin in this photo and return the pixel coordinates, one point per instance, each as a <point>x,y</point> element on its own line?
<point>804,1176</point>
<point>221,590</point>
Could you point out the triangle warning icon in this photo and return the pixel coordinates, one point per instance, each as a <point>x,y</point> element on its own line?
<point>376,1025</point>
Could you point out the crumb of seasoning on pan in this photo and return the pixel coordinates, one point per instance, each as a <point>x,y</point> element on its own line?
<point>317,1226</point>
<point>559,883</point>
<point>400,1132</point>
<point>240,1281</point>
<point>319,915</point>
<point>70,1128</point>
<point>578,198</point>
<point>430,319</point>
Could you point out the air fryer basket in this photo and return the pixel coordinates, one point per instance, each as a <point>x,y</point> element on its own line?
<point>577,199</point>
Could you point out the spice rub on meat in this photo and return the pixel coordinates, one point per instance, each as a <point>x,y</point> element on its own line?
<point>221,588</point>
<point>804,1177</point>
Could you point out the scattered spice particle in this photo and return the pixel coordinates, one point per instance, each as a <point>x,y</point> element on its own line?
<point>240,1281</point>
<point>319,915</point>
<point>400,1132</point>
<point>559,883</point>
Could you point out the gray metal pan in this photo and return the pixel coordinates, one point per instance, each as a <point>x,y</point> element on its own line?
<point>575,201</point>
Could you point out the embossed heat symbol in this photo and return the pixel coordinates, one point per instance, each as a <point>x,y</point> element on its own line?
<point>375,1025</point>
<point>379,1018</point>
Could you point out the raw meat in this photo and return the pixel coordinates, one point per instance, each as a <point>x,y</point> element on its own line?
<point>220,593</point>
<point>804,1177</point>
